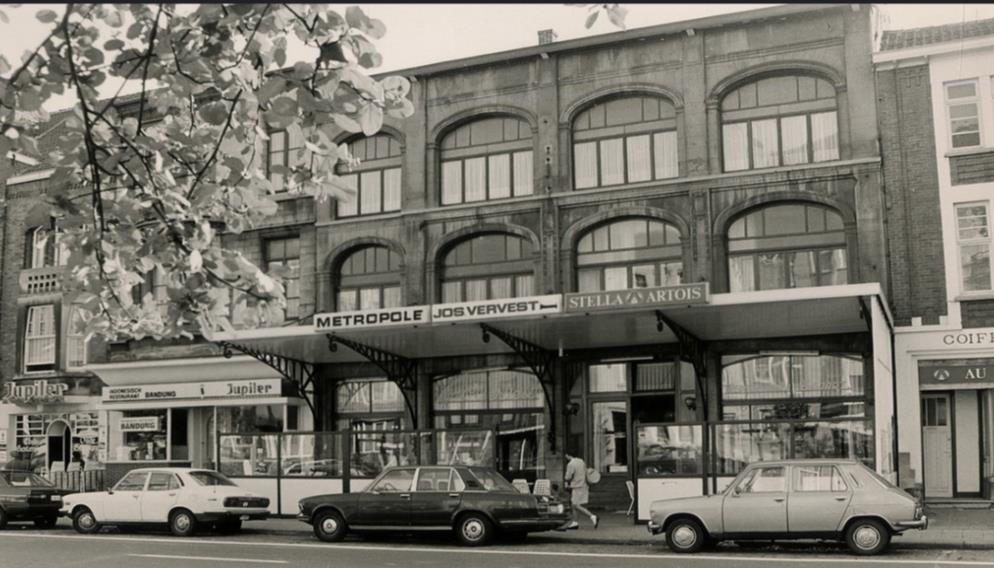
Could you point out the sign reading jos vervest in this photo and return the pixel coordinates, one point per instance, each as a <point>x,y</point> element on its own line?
<point>413,315</point>
<point>497,309</point>
<point>682,295</point>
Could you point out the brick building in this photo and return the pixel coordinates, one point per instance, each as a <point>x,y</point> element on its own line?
<point>662,248</point>
<point>936,116</point>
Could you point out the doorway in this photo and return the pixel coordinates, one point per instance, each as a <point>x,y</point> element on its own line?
<point>937,445</point>
<point>59,446</point>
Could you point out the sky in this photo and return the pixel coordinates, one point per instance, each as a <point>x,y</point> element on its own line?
<point>419,34</point>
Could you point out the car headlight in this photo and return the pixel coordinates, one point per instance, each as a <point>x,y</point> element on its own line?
<point>919,512</point>
<point>557,509</point>
<point>56,498</point>
<point>300,506</point>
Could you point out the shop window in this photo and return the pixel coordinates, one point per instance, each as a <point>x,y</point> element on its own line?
<point>283,262</point>
<point>243,455</point>
<point>974,241</point>
<point>487,159</point>
<point>313,455</point>
<point>40,338</point>
<point>625,140</point>
<point>963,109</point>
<point>629,253</point>
<point>670,451</point>
<point>369,279</point>
<point>608,378</point>
<point>376,180</point>
<point>284,151</point>
<point>787,246</point>
<point>366,396</point>
<point>139,435</point>
<point>779,121</point>
<point>488,267</point>
<point>242,419</point>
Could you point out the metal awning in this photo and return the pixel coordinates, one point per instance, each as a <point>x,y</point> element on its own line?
<point>741,315</point>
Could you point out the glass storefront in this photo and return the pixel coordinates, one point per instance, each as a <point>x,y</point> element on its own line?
<point>57,441</point>
<point>370,404</point>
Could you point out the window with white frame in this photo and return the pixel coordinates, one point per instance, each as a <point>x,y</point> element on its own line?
<point>76,341</point>
<point>629,253</point>
<point>376,180</point>
<point>625,140</point>
<point>974,239</point>
<point>487,159</point>
<point>779,121</point>
<point>963,108</point>
<point>369,279</point>
<point>44,247</point>
<point>284,151</point>
<point>39,338</point>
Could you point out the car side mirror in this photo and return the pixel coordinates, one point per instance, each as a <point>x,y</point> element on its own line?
<point>737,491</point>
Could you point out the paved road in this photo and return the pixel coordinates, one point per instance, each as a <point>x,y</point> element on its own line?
<point>29,548</point>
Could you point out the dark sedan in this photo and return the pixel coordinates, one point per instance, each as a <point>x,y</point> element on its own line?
<point>474,502</point>
<point>25,496</point>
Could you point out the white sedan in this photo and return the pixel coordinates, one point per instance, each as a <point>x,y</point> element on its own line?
<point>181,498</point>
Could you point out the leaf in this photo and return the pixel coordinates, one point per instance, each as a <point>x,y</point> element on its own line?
<point>113,44</point>
<point>214,113</point>
<point>46,16</point>
<point>616,13</point>
<point>591,19</point>
<point>196,261</point>
<point>371,119</point>
<point>4,65</point>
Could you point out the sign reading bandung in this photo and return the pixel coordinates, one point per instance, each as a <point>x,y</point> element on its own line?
<point>139,424</point>
<point>178,391</point>
<point>371,318</point>
<point>952,374</point>
<point>682,295</point>
<point>497,309</point>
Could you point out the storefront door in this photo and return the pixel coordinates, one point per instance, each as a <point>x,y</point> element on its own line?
<point>59,446</point>
<point>609,433</point>
<point>937,440</point>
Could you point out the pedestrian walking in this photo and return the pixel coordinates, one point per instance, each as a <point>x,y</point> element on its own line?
<point>576,480</point>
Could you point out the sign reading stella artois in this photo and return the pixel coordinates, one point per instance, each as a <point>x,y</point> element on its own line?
<point>34,392</point>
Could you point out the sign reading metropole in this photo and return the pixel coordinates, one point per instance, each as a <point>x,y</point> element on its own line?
<point>497,309</point>
<point>412,315</point>
<point>681,295</point>
<point>956,374</point>
<point>184,391</point>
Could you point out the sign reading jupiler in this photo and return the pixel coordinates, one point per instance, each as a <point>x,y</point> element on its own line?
<point>210,389</point>
<point>497,309</point>
<point>682,295</point>
<point>37,391</point>
<point>413,315</point>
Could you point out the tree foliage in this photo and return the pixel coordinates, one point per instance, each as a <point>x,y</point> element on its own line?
<point>151,179</point>
<point>616,13</point>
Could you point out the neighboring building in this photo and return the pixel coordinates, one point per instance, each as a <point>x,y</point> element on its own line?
<point>936,112</point>
<point>663,248</point>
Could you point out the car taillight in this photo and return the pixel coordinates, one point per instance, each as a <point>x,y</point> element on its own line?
<point>919,512</point>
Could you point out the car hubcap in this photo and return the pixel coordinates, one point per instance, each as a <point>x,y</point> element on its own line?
<point>684,536</point>
<point>329,525</point>
<point>867,537</point>
<point>182,522</point>
<point>473,529</point>
<point>86,521</point>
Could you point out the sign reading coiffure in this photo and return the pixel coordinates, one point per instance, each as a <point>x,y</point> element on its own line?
<point>371,318</point>
<point>497,309</point>
<point>179,391</point>
<point>682,295</point>
<point>960,373</point>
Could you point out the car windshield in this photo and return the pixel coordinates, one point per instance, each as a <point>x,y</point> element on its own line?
<point>210,478</point>
<point>491,480</point>
<point>23,479</point>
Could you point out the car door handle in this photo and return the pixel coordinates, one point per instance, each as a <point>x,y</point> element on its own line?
<point>840,498</point>
<point>405,495</point>
<point>779,499</point>
<point>456,495</point>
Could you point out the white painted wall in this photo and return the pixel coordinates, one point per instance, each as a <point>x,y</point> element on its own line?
<point>883,392</point>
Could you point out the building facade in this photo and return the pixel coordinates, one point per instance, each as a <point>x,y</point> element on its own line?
<point>662,249</point>
<point>937,129</point>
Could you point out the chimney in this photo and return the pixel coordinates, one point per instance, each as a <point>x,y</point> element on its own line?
<point>546,36</point>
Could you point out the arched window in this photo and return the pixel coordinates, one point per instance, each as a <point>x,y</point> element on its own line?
<point>368,279</point>
<point>488,267</point>
<point>779,121</point>
<point>486,159</point>
<point>629,253</point>
<point>624,140</point>
<point>787,246</point>
<point>376,179</point>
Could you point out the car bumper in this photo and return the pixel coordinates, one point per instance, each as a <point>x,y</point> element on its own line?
<point>233,515</point>
<point>304,518</point>
<point>921,524</point>
<point>654,528</point>
<point>32,511</point>
<point>535,525</point>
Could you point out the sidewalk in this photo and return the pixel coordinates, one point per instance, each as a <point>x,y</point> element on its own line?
<point>948,528</point>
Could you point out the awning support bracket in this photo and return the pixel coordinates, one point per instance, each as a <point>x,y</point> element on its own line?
<point>399,369</point>
<point>299,374</point>
<point>692,350</point>
<point>539,360</point>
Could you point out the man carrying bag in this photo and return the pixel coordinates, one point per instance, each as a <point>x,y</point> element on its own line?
<point>576,480</point>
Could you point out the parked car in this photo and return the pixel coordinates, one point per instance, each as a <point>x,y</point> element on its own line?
<point>26,496</point>
<point>474,502</point>
<point>182,498</point>
<point>797,499</point>
<point>657,459</point>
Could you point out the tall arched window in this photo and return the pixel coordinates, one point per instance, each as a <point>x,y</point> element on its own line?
<point>488,267</point>
<point>624,140</point>
<point>787,246</point>
<point>486,159</point>
<point>629,253</point>
<point>376,179</point>
<point>779,121</point>
<point>369,278</point>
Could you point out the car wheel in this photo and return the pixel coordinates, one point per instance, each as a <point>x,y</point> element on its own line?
<point>3,518</point>
<point>867,537</point>
<point>686,536</point>
<point>182,523</point>
<point>229,527</point>
<point>329,526</point>
<point>46,522</point>
<point>85,522</point>
<point>474,529</point>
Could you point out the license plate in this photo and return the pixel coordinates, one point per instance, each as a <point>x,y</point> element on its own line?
<point>56,497</point>
<point>244,517</point>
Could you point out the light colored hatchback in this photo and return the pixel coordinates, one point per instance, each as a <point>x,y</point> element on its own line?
<point>796,499</point>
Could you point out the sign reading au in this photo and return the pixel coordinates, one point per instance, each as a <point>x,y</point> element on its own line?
<point>173,391</point>
<point>371,318</point>
<point>956,374</point>
<point>682,295</point>
<point>497,309</point>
